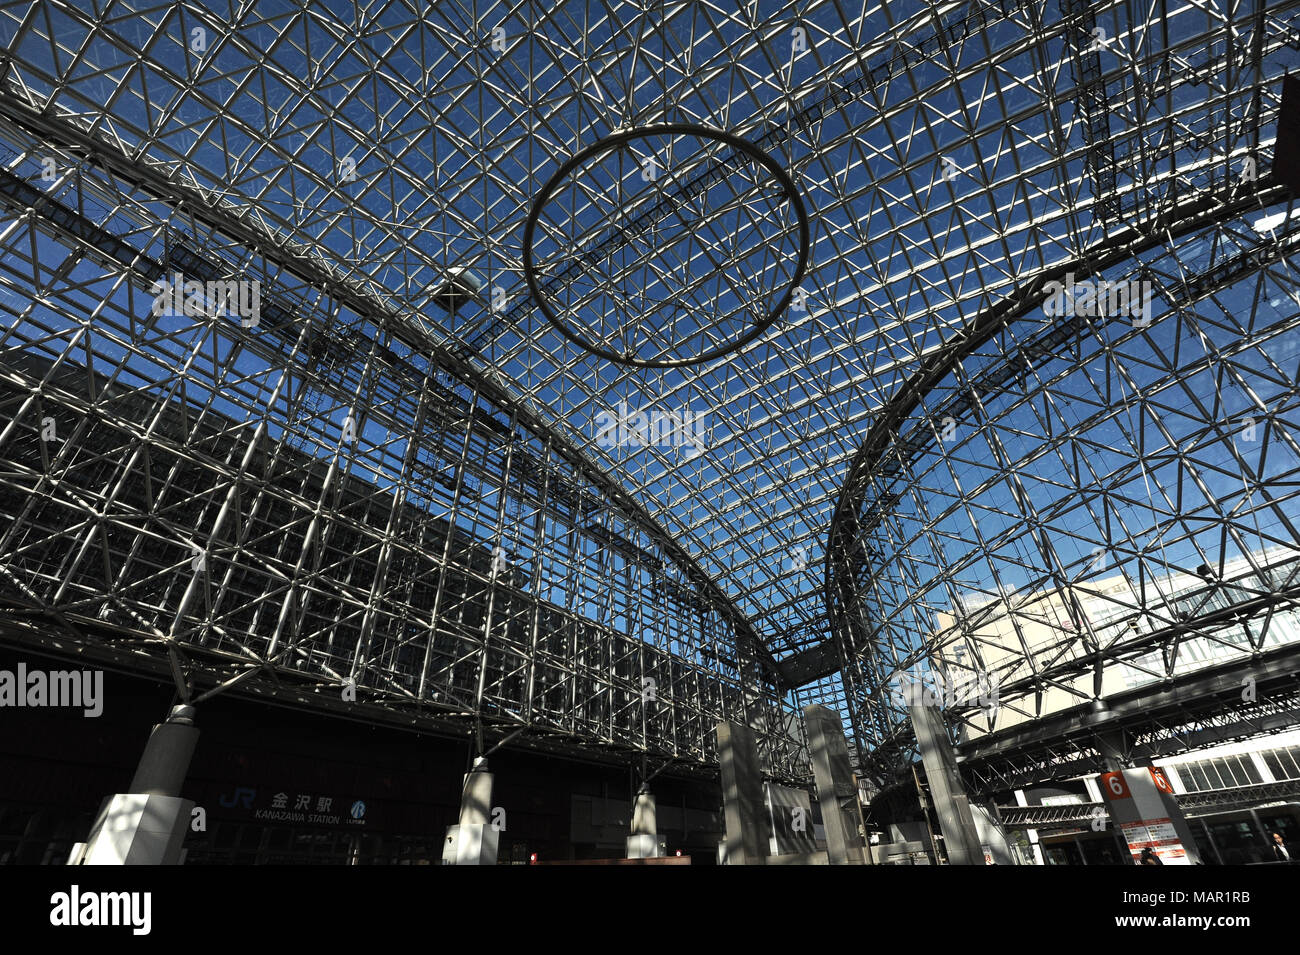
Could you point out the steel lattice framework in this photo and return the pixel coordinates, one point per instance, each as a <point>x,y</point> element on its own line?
<point>394,477</point>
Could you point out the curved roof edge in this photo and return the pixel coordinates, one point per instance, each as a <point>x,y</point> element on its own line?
<point>252,236</point>
<point>823,659</point>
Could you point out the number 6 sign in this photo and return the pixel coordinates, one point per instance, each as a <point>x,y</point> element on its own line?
<point>1114,786</point>
<point>1161,783</point>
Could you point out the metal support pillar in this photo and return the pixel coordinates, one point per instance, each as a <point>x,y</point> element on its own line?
<point>473,841</point>
<point>835,788</point>
<point>644,841</point>
<point>956,822</point>
<point>1112,744</point>
<point>742,796</point>
<point>147,824</point>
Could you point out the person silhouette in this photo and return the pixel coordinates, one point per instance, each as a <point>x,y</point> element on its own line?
<point>1281,853</point>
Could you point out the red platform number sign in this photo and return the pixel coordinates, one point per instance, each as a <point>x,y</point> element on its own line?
<point>1161,783</point>
<point>1114,786</point>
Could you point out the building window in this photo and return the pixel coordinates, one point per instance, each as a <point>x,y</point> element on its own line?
<point>1223,772</point>
<point>1282,763</point>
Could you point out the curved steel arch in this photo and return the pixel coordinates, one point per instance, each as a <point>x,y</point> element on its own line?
<point>881,434</point>
<point>250,236</point>
<point>1046,137</point>
<point>696,688</point>
<point>854,515</point>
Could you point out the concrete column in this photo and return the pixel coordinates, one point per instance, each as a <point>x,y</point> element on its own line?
<point>473,841</point>
<point>956,823</point>
<point>742,795</point>
<point>835,787</point>
<point>789,815</point>
<point>147,825</point>
<point>644,841</point>
<point>1139,798</point>
<point>992,836</point>
<point>1146,814</point>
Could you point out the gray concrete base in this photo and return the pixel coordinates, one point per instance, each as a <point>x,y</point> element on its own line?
<point>137,829</point>
<point>474,844</point>
<point>147,826</point>
<point>474,840</point>
<point>836,790</point>
<point>900,853</point>
<point>645,842</point>
<point>644,815</point>
<point>641,845</point>
<point>816,857</point>
<point>744,811</point>
<point>956,822</point>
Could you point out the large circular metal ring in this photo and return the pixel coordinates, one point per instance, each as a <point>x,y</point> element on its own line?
<point>671,129</point>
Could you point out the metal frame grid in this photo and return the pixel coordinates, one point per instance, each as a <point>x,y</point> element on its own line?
<point>314,503</point>
<point>373,164</point>
<point>1068,497</point>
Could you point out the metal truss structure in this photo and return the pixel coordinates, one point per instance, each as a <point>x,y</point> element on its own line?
<point>420,547</point>
<point>1209,707</point>
<point>1071,501</point>
<point>390,478</point>
<point>1194,804</point>
<point>1088,503</point>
